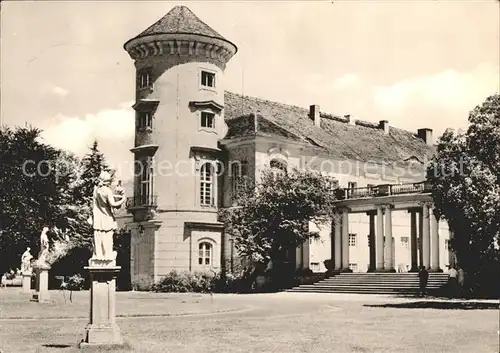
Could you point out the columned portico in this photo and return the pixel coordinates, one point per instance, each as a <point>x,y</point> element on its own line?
<point>419,246</point>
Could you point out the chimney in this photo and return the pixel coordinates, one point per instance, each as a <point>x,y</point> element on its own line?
<point>384,125</point>
<point>314,114</point>
<point>426,135</point>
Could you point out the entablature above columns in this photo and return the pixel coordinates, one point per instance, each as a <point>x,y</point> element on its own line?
<point>400,202</point>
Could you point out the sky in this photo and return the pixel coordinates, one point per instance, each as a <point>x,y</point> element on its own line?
<point>414,63</point>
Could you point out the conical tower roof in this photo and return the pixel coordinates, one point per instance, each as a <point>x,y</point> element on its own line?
<point>181,20</point>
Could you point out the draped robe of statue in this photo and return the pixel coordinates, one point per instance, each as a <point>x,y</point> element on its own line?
<point>44,246</point>
<point>103,220</point>
<point>26,261</point>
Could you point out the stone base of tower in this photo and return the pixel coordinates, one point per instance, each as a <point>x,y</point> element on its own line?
<point>180,241</point>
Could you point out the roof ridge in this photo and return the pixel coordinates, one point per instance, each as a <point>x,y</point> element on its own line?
<point>329,116</point>
<point>268,101</point>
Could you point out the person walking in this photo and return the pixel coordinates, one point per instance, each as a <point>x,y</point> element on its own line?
<point>452,281</point>
<point>423,277</point>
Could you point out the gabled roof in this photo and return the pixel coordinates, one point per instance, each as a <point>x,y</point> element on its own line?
<point>338,139</point>
<point>180,20</point>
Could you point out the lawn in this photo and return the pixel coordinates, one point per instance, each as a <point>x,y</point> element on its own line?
<point>282,322</point>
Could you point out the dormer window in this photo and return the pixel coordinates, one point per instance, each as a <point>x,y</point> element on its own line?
<point>208,120</point>
<point>144,78</point>
<point>207,79</point>
<point>145,120</point>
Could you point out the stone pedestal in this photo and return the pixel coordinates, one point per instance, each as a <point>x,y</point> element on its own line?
<point>42,283</point>
<point>27,282</point>
<point>102,329</point>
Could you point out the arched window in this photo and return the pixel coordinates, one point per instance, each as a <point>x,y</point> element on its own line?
<point>205,253</point>
<point>278,166</point>
<point>207,184</point>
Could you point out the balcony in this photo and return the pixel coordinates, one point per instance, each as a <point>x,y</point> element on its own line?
<point>142,207</point>
<point>383,190</point>
<point>143,201</point>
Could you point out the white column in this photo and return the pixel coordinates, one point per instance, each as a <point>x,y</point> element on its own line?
<point>434,242</point>
<point>426,230</point>
<point>379,240</point>
<point>337,243</point>
<point>413,241</point>
<point>345,239</point>
<point>389,261</point>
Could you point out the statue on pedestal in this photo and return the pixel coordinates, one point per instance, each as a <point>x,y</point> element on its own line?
<point>26,261</point>
<point>44,246</point>
<point>103,219</point>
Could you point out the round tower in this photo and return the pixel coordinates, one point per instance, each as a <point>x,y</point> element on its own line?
<point>180,63</point>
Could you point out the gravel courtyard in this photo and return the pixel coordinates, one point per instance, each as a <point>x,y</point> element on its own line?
<point>281,322</point>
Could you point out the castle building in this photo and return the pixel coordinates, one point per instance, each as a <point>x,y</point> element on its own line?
<point>194,140</point>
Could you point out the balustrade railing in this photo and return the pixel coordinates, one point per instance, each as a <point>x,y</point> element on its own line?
<point>383,190</point>
<point>141,201</point>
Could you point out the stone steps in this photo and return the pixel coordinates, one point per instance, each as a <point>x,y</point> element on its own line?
<point>374,283</point>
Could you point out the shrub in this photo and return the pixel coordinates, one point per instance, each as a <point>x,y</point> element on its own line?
<point>10,275</point>
<point>230,283</point>
<point>142,283</point>
<point>199,282</point>
<point>76,282</point>
<point>182,282</point>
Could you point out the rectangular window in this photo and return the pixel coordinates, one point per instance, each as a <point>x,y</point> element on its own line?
<point>352,185</point>
<point>315,266</point>
<point>405,242</point>
<point>205,254</point>
<point>353,267</point>
<point>208,120</point>
<point>144,78</point>
<point>145,120</point>
<point>352,239</point>
<point>207,79</point>
<point>146,182</point>
<point>206,185</point>
<point>447,244</point>
<point>238,173</point>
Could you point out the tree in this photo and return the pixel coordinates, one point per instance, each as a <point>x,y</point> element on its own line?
<point>465,174</point>
<point>272,216</point>
<point>34,183</point>
<point>93,164</point>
